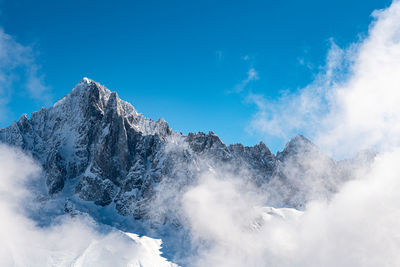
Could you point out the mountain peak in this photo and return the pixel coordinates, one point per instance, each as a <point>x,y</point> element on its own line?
<point>86,89</point>
<point>87,83</point>
<point>95,147</point>
<point>297,145</point>
<point>86,80</point>
<point>299,141</point>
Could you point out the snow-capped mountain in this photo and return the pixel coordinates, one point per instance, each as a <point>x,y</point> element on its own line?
<point>111,154</point>
<point>102,158</point>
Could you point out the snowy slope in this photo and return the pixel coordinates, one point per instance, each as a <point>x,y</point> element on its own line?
<point>101,157</point>
<point>115,155</point>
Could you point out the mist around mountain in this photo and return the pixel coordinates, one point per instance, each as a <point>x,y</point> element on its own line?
<point>104,167</point>
<point>92,182</point>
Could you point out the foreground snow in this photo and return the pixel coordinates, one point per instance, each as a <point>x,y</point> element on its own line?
<point>131,251</point>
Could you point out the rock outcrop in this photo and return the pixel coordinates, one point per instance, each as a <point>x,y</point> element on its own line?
<point>112,154</point>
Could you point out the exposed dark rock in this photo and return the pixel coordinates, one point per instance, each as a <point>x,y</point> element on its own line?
<point>114,154</point>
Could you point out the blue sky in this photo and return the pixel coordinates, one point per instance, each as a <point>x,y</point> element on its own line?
<point>193,63</point>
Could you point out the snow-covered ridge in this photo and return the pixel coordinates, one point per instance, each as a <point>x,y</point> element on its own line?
<point>101,157</point>
<point>82,90</point>
<point>106,152</point>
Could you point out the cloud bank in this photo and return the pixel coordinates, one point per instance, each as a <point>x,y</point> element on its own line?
<point>352,105</point>
<point>357,227</point>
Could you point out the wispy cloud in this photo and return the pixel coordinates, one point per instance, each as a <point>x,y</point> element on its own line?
<point>246,57</point>
<point>18,65</point>
<point>36,86</point>
<point>252,75</point>
<point>219,55</point>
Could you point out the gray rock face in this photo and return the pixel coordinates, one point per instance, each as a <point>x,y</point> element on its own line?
<point>112,154</point>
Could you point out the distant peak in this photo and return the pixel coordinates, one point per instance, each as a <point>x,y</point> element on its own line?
<point>298,144</point>
<point>23,117</point>
<point>262,145</point>
<point>161,121</point>
<point>299,139</point>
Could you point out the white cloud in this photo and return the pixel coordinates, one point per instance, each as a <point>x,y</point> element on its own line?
<point>353,103</point>
<point>36,87</point>
<point>358,227</point>
<point>252,75</point>
<point>17,64</point>
<point>67,241</point>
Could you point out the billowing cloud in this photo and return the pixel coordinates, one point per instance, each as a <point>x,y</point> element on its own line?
<point>353,103</point>
<point>67,240</point>
<point>358,227</point>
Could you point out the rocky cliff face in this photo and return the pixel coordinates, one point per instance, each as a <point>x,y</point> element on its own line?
<point>112,154</point>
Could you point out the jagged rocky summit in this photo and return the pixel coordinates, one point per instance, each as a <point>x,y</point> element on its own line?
<point>109,153</point>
